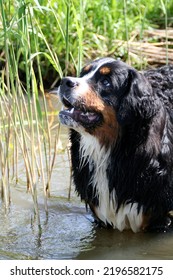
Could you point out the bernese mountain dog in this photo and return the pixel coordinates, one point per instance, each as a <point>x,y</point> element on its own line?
<point>121,133</point>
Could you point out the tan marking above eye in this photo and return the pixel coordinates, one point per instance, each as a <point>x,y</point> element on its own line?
<point>87,68</point>
<point>105,70</point>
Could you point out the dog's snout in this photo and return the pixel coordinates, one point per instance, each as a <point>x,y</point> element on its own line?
<point>69,82</point>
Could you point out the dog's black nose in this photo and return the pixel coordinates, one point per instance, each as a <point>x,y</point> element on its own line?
<point>69,82</point>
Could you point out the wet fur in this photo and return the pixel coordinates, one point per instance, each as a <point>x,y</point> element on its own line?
<point>128,180</point>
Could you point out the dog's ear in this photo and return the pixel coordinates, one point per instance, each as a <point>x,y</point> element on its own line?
<point>137,101</point>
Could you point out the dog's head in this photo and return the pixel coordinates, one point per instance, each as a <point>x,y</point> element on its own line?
<point>108,94</point>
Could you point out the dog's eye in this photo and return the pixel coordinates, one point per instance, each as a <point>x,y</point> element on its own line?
<point>105,82</point>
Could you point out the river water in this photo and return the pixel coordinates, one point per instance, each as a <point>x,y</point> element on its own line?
<point>68,231</point>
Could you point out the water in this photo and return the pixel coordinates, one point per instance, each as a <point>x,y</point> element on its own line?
<point>68,231</point>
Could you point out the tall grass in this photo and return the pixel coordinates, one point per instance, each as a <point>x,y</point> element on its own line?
<point>24,125</point>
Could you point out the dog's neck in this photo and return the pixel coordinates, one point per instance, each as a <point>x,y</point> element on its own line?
<point>93,153</point>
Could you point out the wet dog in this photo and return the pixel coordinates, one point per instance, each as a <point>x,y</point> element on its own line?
<point>121,132</point>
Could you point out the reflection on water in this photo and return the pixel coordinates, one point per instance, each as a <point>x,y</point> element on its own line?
<point>68,231</point>
<point>63,234</point>
<point>111,244</point>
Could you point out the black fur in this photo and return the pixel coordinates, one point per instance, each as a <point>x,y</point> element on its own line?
<point>141,162</point>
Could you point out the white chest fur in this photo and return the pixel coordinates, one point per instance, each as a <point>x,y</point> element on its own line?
<point>98,157</point>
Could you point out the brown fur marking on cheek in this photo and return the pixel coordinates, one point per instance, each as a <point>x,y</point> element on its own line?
<point>89,98</point>
<point>105,70</point>
<point>92,101</point>
<point>107,133</point>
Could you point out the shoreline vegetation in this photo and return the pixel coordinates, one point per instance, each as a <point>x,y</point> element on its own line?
<point>43,40</point>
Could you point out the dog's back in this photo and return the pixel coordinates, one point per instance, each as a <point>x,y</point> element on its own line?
<point>161,80</point>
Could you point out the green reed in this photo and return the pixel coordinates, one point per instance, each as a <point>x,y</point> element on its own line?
<point>24,126</point>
